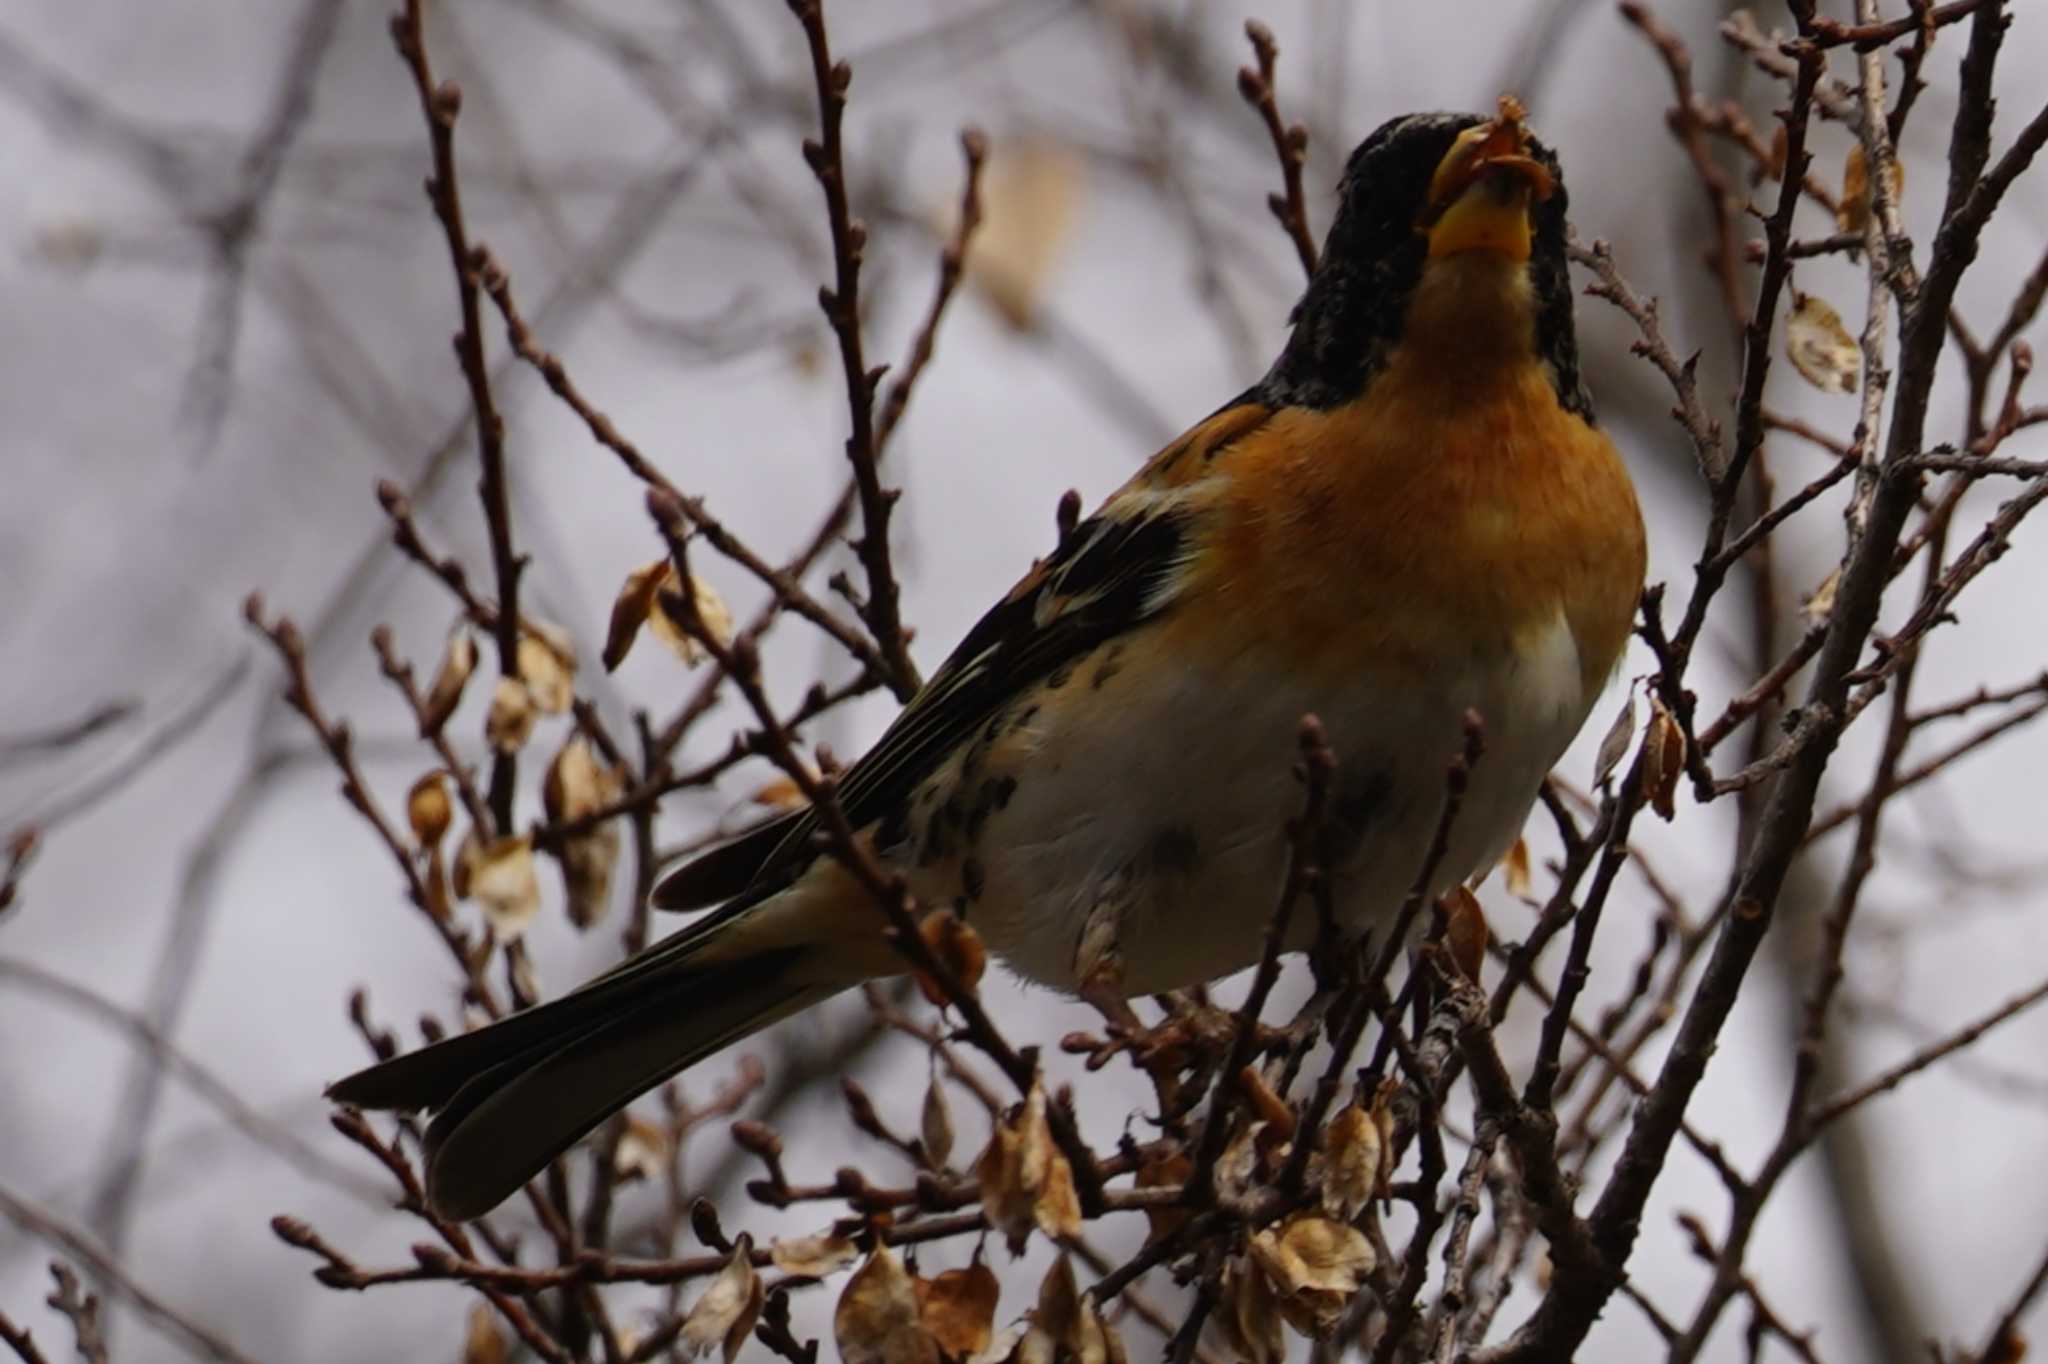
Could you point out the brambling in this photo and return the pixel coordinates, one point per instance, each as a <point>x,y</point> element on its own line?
<point>1412,515</point>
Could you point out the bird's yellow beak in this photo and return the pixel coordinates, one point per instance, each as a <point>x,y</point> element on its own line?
<point>1480,196</point>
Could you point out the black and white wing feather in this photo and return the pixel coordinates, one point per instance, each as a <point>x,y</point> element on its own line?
<point>1118,569</point>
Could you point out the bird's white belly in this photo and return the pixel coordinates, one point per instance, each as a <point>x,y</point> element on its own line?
<point>1164,806</point>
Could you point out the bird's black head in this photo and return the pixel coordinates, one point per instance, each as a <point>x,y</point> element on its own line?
<point>1418,193</point>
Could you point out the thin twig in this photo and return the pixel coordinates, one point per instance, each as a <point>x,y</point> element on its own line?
<point>441,103</point>
<point>1290,143</point>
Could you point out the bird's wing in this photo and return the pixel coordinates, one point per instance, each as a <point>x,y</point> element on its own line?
<point>1114,571</point>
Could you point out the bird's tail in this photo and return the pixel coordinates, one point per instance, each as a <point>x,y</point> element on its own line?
<point>510,1097</point>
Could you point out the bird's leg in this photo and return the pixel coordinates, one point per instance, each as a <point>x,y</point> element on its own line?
<point>1099,966</point>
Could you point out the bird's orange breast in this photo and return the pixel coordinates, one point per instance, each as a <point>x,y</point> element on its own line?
<point>1452,507</point>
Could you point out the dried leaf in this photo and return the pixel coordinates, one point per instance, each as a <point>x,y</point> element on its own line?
<point>1058,1308</point>
<point>642,1151</point>
<point>1615,743</point>
<point>503,882</point>
<point>1032,1345</point>
<point>458,661</point>
<point>554,637</point>
<point>1168,1171</point>
<point>1465,931</point>
<point>1238,1166</point>
<point>1099,1328</point>
<point>1852,211</point>
<point>436,880</point>
<point>1351,1156</point>
<point>956,944</point>
<point>876,1320</point>
<point>428,810</point>
<point>1030,193</point>
<point>813,1257</point>
<point>935,1123</point>
<point>510,722</point>
<point>1820,347</point>
<point>547,670</point>
<point>1383,1119</point>
<point>1818,607</point>
<point>468,853</point>
<point>640,603</point>
<point>1066,1325</point>
<point>711,610</point>
<point>630,610</point>
<point>1315,1265</point>
<point>587,863</point>
<point>525,975</point>
<point>483,1340</point>
<point>1515,870</point>
<point>1248,1315</point>
<point>724,1315</point>
<point>670,629</point>
<point>958,1310</point>
<point>1663,760</point>
<point>576,782</point>
<point>1025,1181</point>
<point>1058,1207</point>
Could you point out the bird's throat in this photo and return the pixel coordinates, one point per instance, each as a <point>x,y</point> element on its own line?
<point>1472,319</point>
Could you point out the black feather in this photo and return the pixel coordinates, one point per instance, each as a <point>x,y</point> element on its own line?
<point>1350,319</point>
<point>1109,575</point>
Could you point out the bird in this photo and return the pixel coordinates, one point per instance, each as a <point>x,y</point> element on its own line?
<point>1413,515</point>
